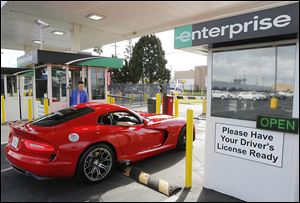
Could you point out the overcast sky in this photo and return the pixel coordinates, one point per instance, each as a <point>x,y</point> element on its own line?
<point>177,59</point>
<point>258,65</point>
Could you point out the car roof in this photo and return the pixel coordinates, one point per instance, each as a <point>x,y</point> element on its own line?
<point>102,107</point>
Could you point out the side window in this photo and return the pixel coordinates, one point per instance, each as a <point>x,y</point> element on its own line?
<point>105,119</point>
<point>124,119</point>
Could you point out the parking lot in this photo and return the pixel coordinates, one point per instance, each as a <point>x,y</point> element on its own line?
<point>169,166</point>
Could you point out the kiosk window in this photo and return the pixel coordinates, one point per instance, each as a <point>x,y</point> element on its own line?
<point>59,93</point>
<point>11,86</point>
<point>244,81</point>
<point>41,82</point>
<point>27,85</point>
<point>98,83</point>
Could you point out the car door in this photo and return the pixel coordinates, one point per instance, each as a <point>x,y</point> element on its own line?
<point>137,138</point>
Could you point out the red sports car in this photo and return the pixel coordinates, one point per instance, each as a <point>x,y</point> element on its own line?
<point>89,139</point>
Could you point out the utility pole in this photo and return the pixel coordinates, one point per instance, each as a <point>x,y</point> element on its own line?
<point>115,45</point>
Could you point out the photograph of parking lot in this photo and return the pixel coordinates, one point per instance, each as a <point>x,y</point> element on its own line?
<point>245,81</point>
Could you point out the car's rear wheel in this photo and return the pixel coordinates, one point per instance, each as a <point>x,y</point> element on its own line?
<point>96,163</point>
<point>181,142</point>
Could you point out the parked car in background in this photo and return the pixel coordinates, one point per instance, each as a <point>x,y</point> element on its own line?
<point>175,90</point>
<point>233,95</point>
<point>251,95</point>
<point>218,94</point>
<point>283,94</point>
<point>279,95</point>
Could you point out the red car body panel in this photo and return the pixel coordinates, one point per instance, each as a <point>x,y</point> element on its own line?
<point>130,143</point>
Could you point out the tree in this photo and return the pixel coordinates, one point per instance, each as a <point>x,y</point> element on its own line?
<point>148,62</point>
<point>121,76</point>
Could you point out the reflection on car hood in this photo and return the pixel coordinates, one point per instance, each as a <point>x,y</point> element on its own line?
<point>155,117</point>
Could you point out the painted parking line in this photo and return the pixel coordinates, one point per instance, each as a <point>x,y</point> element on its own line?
<point>7,169</point>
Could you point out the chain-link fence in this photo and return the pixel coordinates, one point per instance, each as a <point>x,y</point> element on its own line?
<point>135,94</point>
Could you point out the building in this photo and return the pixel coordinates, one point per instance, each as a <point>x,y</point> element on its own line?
<point>185,79</point>
<point>192,79</point>
<point>200,76</point>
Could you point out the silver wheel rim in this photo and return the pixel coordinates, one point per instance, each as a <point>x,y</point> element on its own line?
<point>97,164</point>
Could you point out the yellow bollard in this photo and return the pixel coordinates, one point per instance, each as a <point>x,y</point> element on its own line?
<point>176,108</point>
<point>158,103</point>
<point>189,148</point>
<point>30,92</point>
<point>274,103</point>
<point>46,107</point>
<point>203,106</point>
<point>146,97</point>
<point>113,100</point>
<point>29,109</point>
<point>3,110</point>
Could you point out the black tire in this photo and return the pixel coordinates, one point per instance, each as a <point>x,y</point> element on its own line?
<point>181,141</point>
<point>92,160</point>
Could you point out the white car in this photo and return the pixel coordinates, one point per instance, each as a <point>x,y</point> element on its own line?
<point>286,94</point>
<point>251,96</point>
<point>220,94</point>
<point>175,90</point>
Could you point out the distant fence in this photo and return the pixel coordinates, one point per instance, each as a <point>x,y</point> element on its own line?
<point>139,93</point>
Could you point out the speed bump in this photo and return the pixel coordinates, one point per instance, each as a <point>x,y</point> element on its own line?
<point>152,182</point>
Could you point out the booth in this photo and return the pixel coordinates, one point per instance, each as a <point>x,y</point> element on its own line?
<point>53,75</point>
<point>252,136</point>
<point>10,93</point>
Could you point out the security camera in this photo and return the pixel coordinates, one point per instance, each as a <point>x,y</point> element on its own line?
<point>41,23</point>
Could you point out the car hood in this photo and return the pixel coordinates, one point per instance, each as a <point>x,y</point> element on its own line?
<point>155,117</point>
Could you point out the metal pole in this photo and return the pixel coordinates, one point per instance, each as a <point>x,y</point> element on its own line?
<point>46,108</point>
<point>276,58</point>
<point>19,89</point>
<point>176,107</point>
<point>274,101</point>
<point>158,103</point>
<point>41,35</point>
<point>189,148</point>
<point>29,109</point>
<point>2,110</point>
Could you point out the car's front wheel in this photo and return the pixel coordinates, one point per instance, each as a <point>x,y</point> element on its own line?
<point>181,142</point>
<point>96,163</point>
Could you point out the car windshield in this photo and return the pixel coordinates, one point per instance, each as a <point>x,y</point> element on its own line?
<point>61,116</point>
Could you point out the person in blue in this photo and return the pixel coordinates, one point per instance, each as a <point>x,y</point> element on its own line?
<point>78,96</point>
